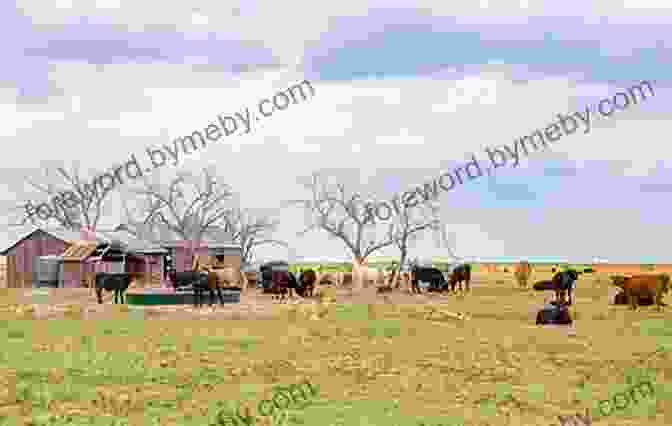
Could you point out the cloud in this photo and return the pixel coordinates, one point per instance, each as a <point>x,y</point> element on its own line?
<point>150,72</point>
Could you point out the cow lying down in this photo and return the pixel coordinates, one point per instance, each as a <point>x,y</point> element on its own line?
<point>554,313</point>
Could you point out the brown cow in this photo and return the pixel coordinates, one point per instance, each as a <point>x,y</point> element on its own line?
<point>308,279</point>
<point>643,286</point>
<point>522,273</point>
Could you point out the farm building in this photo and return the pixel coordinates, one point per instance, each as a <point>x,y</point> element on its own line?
<point>183,253</point>
<point>77,259</point>
<point>21,255</point>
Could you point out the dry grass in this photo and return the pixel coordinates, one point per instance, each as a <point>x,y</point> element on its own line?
<point>392,359</point>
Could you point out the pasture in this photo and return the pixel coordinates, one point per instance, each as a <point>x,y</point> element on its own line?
<point>387,360</point>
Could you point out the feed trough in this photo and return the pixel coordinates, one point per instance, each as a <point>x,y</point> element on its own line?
<point>170,297</point>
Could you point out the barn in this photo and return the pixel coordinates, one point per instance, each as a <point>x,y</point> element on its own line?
<point>79,259</point>
<point>112,252</point>
<point>21,255</point>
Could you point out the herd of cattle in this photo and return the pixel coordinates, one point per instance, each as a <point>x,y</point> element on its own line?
<point>277,280</point>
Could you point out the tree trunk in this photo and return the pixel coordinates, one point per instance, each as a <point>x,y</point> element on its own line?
<point>357,276</point>
<point>402,260</point>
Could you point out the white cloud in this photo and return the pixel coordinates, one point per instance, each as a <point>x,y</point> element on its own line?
<point>105,114</point>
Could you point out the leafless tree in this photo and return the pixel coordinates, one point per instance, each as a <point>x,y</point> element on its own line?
<point>406,227</point>
<point>251,231</point>
<point>74,201</point>
<point>190,215</point>
<point>341,215</point>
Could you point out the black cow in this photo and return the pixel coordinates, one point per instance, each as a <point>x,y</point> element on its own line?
<point>198,281</point>
<point>112,282</point>
<point>459,274</point>
<point>436,280</point>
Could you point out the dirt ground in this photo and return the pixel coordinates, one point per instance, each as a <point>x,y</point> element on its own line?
<point>394,359</point>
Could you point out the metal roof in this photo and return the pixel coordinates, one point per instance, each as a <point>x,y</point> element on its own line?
<point>130,243</point>
<point>80,250</point>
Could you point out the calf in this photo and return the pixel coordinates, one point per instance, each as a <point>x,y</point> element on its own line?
<point>112,282</point>
<point>642,286</point>
<point>433,276</point>
<point>459,274</point>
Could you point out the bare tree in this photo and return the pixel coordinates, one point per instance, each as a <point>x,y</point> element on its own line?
<point>338,213</point>
<point>251,231</point>
<point>73,201</point>
<point>188,215</point>
<point>408,226</point>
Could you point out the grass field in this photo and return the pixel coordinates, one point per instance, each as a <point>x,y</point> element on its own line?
<point>374,362</point>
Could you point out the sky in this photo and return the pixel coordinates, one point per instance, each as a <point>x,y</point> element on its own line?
<point>403,92</point>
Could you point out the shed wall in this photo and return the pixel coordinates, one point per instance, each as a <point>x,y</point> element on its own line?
<point>20,258</point>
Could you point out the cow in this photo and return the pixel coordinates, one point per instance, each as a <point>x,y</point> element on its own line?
<point>621,299</point>
<point>217,278</point>
<point>196,281</point>
<point>459,274</point>
<point>436,280</point>
<point>277,280</point>
<point>307,280</point>
<point>544,285</point>
<point>118,283</point>
<point>563,283</point>
<point>183,280</point>
<point>522,273</point>
<point>642,286</point>
<point>554,313</point>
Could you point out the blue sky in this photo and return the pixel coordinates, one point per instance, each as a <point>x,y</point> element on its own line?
<point>404,90</point>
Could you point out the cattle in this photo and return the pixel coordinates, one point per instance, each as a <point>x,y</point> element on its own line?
<point>279,284</point>
<point>554,313</point>
<point>307,281</point>
<point>335,278</point>
<point>184,280</point>
<point>118,283</point>
<point>621,299</point>
<point>433,276</point>
<point>544,285</point>
<point>522,273</point>
<point>196,281</point>
<point>275,278</point>
<point>639,287</point>
<point>564,283</point>
<point>217,278</point>
<point>459,274</point>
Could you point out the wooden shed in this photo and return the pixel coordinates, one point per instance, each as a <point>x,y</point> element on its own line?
<point>75,271</point>
<point>35,243</point>
<point>183,253</point>
<point>117,253</point>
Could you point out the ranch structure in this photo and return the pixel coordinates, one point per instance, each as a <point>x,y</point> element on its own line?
<point>57,257</point>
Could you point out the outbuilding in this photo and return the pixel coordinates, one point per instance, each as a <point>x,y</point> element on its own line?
<point>23,254</point>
